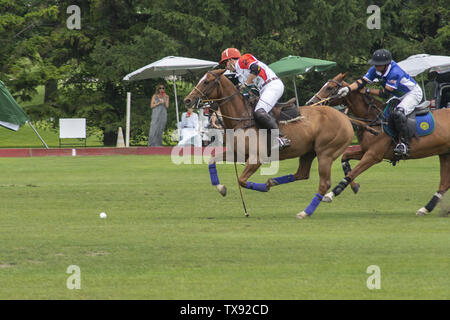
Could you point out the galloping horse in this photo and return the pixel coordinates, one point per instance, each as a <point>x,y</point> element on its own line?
<point>376,148</point>
<point>320,131</point>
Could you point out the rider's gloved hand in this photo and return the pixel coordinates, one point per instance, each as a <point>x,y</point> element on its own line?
<point>342,92</point>
<point>246,89</point>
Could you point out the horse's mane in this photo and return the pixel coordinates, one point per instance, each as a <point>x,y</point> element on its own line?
<point>223,76</point>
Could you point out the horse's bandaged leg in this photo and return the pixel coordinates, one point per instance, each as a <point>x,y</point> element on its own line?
<point>433,202</point>
<point>314,204</point>
<point>257,186</point>
<point>213,174</point>
<point>341,186</point>
<point>346,167</point>
<point>284,179</point>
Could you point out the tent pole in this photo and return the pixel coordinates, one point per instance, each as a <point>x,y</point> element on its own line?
<point>127,132</point>
<point>35,131</point>
<point>423,88</point>
<point>295,88</point>
<point>176,103</point>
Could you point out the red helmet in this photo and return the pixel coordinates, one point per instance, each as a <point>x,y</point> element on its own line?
<point>230,53</point>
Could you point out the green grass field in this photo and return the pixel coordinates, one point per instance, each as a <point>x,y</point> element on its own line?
<point>170,235</point>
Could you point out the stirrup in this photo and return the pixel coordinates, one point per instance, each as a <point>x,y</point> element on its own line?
<point>401,149</point>
<point>284,143</point>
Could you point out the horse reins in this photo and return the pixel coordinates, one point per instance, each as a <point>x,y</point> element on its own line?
<point>368,100</point>
<point>321,101</point>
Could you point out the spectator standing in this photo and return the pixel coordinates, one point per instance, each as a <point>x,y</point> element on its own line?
<point>159,105</point>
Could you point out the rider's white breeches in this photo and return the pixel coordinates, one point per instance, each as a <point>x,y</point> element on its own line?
<point>411,100</point>
<point>270,94</point>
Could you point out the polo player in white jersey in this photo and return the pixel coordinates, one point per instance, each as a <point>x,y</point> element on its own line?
<point>255,74</point>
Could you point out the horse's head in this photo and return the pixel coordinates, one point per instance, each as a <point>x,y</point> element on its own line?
<point>361,105</point>
<point>329,89</point>
<point>207,88</point>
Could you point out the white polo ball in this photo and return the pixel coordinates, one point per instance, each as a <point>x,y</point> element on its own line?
<point>103,215</point>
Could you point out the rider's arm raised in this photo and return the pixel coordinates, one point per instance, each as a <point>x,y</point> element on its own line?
<point>362,82</point>
<point>384,92</point>
<point>255,69</point>
<point>358,84</point>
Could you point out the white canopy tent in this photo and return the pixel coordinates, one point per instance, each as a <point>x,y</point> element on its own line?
<point>170,66</point>
<point>418,63</point>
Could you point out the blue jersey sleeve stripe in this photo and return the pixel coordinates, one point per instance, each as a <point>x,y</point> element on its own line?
<point>367,79</point>
<point>391,86</point>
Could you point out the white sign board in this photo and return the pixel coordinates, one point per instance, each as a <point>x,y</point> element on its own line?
<point>72,128</point>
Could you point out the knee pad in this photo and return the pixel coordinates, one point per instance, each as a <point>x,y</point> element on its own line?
<point>398,114</point>
<point>393,103</point>
<point>260,114</point>
<point>265,119</point>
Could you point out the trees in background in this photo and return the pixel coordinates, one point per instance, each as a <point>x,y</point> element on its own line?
<point>82,70</point>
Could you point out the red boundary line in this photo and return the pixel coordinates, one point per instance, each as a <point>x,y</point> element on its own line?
<point>36,152</point>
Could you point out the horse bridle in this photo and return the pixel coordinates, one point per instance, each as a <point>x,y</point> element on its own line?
<point>210,89</point>
<point>219,101</point>
<point>367,99</point>
<point>380,118</point>
<point>333,95</point>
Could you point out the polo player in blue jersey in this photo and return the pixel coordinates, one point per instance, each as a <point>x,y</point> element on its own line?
<point>394,80</point>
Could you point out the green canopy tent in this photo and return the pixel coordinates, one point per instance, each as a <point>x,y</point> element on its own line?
<point>12,115</point>
<point>295,65</point>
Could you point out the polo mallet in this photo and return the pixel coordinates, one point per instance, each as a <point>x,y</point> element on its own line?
<point>320,102</point>
<point>240,190</point>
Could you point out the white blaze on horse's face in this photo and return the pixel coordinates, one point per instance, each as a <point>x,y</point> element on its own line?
<point>202,79</point>
<point>196,88</point>
<point>317,96</point>
<point>200,91</point>
<point>324,86</point>
<point>327,90</point>
<point>203,83</point>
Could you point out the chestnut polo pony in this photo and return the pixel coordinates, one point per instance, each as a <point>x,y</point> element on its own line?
<point>376,148</point>
<point>321,132</point>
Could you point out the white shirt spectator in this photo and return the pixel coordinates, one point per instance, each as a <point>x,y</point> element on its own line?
<point>190,121</point>
<point>189,130</point>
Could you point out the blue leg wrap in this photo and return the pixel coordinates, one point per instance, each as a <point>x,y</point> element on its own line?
<point>213,174</point>
<point>314,204</point>
<point>257,186</point>
<point>284,179</point>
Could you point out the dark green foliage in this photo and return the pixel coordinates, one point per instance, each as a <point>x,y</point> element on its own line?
<point>82,70</point>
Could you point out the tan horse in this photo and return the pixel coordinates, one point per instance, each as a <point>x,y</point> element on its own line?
<point>320,131</point>
<point>376,148</point>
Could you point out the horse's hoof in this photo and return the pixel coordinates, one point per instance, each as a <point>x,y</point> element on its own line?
<point>222,189</point>
<point>271,182</point>
<point>422,212</point>
<point>328,197</point>
<point>301,215</point>
<point>356,188</point>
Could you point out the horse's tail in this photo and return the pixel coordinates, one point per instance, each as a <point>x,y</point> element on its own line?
<point>364,126</point>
